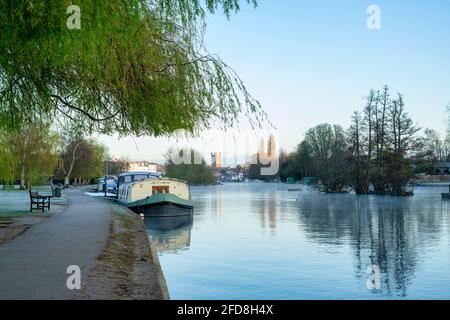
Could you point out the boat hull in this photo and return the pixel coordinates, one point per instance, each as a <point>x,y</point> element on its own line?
<point>446,196</point>
<point>162,210</point>
<point>162,205</point>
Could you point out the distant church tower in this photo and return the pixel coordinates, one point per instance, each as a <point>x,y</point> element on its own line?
<point>216,160</point>
<point>270,152</point>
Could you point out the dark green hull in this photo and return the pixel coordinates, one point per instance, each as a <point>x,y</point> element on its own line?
<point>162,205</point>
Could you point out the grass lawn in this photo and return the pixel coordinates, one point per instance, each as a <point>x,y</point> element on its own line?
<point>16,203</point>
<point>7,216</point>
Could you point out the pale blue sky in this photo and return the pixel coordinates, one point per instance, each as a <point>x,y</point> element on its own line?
<point>310,62</point>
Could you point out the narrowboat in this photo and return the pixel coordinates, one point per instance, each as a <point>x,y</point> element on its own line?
<point>153,196</point>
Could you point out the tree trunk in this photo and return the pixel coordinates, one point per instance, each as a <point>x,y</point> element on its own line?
<point>24,158</point>
<point>72,163</point>
<point>22,177</point>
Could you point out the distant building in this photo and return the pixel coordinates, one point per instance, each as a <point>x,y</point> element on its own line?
<point>143,166</point>
<point>216,160</point>
<point>229,174</point>
<point>269,153</point>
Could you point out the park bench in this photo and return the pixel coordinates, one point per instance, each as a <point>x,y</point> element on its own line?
<point>41,202</point>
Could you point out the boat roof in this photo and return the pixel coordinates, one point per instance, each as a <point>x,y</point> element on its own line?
<point>107,177</point>
<point>162,179</point>
<point>133,173</point>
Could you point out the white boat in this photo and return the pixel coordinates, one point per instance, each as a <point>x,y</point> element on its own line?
<point>149,194</point>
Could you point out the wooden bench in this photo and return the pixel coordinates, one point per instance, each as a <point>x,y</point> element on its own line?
<point>41,202</point>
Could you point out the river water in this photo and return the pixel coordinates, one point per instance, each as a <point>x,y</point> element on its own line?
<point>261,241</point>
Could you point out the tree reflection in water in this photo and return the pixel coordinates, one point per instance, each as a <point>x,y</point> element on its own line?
<point>391,233</point>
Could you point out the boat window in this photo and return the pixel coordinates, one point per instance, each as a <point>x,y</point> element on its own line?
<point>140,177</point>
<point>160,189</point>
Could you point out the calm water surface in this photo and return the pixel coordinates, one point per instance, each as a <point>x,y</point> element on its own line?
<point>260,241</point>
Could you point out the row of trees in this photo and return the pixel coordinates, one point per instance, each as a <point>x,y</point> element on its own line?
<point>379,153</point>
<point>197,172</point>
<point>133,68</point>
<point>35,154</point>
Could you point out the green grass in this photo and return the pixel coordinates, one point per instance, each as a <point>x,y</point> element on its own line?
<point>44,188</point>
<point>10,190</point>
<point>6,216</point>
<point>118,209</point>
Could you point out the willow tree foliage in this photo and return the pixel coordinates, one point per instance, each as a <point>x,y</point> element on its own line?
<point>8,162</point>
<point>133,67</point>
<point>28,155</point>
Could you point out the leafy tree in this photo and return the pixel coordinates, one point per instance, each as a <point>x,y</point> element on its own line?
<point>34,148</point>
<point>192,172</point>
<point>80,159</point>
<point>115,167</point>
<point>328,151</point>
<point>304,160</point>
<point>134,67</point>
<point>254,171</point>
<point>8,161</point>
<point>68,156</point>
<point>288,167</point>
<point>90,161</point>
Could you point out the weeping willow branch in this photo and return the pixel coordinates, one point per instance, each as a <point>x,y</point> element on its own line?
<point>134,67</point>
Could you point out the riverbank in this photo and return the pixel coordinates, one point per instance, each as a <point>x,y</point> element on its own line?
<point>107,242</point>
<point>128,266</point>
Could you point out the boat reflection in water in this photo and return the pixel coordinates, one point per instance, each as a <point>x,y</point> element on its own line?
<point>169,234</point>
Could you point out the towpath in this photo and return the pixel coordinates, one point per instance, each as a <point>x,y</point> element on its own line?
<point>34,265</point>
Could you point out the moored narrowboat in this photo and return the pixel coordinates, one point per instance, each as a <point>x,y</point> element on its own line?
<point>154,196</point>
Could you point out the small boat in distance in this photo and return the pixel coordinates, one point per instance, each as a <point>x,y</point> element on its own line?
<point>149,194</point>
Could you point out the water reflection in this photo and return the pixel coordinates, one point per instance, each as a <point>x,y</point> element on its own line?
<point>169,234</point>
<point>393,234</point>
<point>316,246</point>
<point>268,212</point>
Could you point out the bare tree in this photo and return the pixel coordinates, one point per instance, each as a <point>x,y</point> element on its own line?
<point>358,159</point>
<point>403,143</point>
<point>68,158</point>
<point>378,173</point>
